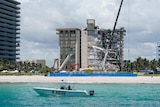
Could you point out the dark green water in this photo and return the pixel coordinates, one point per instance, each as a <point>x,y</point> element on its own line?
<point>106,95</point>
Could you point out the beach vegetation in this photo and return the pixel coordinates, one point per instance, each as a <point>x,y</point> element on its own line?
<point>141,64</point>
<point>28,68</point>
<point>8,67</point>
<point>45,70</point>
<point>88,71</point>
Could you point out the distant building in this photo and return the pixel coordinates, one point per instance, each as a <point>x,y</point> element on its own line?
<point>158,51</point>
<point>40,61</point>
<point>90,47</point>
<point>9,29</point>
<point>37,61</point>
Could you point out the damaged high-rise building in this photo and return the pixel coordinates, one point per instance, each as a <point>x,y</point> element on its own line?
<point>90,48</point>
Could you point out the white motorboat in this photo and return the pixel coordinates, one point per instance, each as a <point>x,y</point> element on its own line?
<point>62,92</point>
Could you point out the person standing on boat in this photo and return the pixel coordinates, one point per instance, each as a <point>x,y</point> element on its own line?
<point>69,87</point>
<point>62,86</point>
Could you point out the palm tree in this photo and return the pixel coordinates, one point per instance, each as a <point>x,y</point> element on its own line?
<point>153,64</point>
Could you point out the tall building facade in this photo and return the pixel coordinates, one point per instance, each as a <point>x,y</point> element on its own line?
<point>69,48</point>
<point>9,29</point>
<point>94,48</point>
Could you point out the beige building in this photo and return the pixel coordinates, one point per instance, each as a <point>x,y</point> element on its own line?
<point>40,61</point>
<point>69,48</point>
<point>37,61</point>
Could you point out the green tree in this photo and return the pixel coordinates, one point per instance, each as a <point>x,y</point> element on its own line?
<point>153,65</point>
<point>141,64</point>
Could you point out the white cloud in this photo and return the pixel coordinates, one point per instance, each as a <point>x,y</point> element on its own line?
<point>145,50</point>
<point>40,18</point>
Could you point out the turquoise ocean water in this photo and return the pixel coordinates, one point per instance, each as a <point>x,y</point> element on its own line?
<point>106,95</point>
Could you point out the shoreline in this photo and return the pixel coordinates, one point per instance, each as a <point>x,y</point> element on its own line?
<point>90,80</point>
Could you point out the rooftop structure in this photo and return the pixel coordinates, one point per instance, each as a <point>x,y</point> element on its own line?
<point>9,29</point>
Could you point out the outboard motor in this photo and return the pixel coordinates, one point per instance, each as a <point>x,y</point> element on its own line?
<point>91,92</point>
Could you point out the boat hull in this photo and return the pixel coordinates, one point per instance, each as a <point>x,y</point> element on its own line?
<point>61,92</point>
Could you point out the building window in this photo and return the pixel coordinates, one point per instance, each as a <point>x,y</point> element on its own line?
<point>73,42</point>
<point>72,31</point>
<point>91,32</point>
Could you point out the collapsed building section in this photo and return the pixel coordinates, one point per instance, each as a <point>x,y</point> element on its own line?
<point>91,48</point>
<point>95,45</point>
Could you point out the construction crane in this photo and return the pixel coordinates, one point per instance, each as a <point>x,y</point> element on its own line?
<point>72,66</point>
<point>114,27</point>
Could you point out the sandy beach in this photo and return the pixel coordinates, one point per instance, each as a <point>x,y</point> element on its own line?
<point>43,79</point>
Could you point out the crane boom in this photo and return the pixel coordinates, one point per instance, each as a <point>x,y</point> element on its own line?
<point>115,23</point>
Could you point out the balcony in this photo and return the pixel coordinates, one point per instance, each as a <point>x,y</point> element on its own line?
<point>8,22</point>
<point>8,30</point>
<point>18,7</point>
<point>7,39</point>
<point>17,20</point>
<point>7,56</point>
<point>17,58</point>
<point>13,58</point>
<point>9,8</point>
<point>9,44</point>
<point>17,54</point>
<point>17,37</point>
<point>7,35</point>
<point>8,26</point>
<point>17,49</point>
<point>8,52</point>
<point>9,13</point>
<point>17,23</point>
<point>18,16</point>
<point>17,43</point>
<point>11,18</point>
<point>10,4</point>
<point>17,28</point>
<point>7,48</point>
<point>18,11</point>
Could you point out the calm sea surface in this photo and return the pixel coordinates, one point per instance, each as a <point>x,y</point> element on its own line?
<point>106,95</point>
